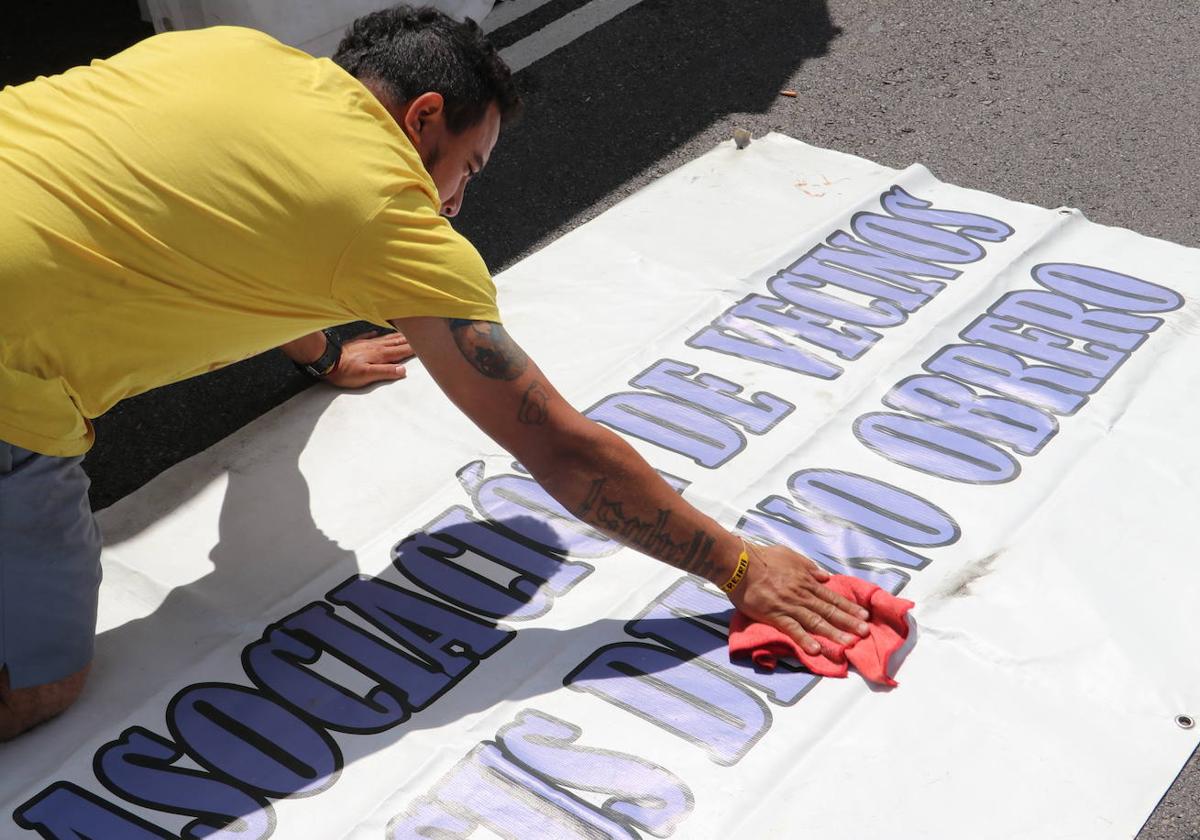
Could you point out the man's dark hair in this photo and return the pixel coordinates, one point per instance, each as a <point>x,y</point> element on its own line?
<point>413,51</point>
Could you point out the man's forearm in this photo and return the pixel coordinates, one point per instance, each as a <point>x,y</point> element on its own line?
<point>604,481</point>
<point>306,349</point>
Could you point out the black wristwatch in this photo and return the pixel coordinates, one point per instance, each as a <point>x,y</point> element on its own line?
<point>327,361</point>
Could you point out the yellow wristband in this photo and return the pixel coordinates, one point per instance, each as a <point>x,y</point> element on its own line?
<point>740,572</point>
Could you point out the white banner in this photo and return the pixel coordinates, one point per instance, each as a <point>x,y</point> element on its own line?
<point>358,618</point>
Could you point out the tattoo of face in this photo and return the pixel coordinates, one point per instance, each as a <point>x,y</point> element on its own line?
<point>533,411</point>
<point>488,348</point>
<point>692,555</point>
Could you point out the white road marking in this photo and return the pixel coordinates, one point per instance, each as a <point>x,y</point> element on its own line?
<point>506,13</point>
<point>562,31</point>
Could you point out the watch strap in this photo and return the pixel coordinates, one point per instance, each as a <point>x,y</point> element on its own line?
<point>325,364</point>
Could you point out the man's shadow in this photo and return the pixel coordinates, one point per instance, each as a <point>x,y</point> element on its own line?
<point>268,549</point>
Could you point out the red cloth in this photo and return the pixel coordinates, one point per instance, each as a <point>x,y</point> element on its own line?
<point>888,630</point>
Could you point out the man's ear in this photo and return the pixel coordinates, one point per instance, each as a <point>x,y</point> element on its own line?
<point>424,112</point>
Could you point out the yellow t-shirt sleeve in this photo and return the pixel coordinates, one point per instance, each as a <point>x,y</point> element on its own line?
<point>408,261</point>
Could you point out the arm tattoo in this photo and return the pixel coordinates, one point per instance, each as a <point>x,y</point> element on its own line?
<point>488,348</point>
<point>651,536</point>
<point>533,411</point>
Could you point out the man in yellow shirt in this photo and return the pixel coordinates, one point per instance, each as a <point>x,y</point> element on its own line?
<point>207,195</point>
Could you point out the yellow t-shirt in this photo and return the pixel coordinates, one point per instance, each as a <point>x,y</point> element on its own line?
<point>197,199</point>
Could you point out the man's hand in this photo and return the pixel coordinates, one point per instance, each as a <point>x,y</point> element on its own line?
<point>784,589</point>
<point>371,357</point>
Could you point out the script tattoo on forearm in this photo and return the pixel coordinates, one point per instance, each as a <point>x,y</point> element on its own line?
<point>488,348</point>
<point>533,411</point>
<point>651,536</point>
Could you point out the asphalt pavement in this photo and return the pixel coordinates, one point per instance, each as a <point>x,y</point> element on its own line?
<point>1090,104</point>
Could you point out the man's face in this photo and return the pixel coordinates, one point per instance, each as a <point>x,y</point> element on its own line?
<point>451,158</point>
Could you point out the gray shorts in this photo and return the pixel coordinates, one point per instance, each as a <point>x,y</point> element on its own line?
<point>49,567</point>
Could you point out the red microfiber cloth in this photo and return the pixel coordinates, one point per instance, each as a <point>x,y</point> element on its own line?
<point>888,630</point>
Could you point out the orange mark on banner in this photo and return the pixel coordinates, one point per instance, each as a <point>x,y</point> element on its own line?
<point>809,187</point>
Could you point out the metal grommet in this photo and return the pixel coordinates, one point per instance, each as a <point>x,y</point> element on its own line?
<point>1184,721</point>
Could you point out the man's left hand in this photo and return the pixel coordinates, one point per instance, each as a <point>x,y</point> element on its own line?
<point>374,356</point>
